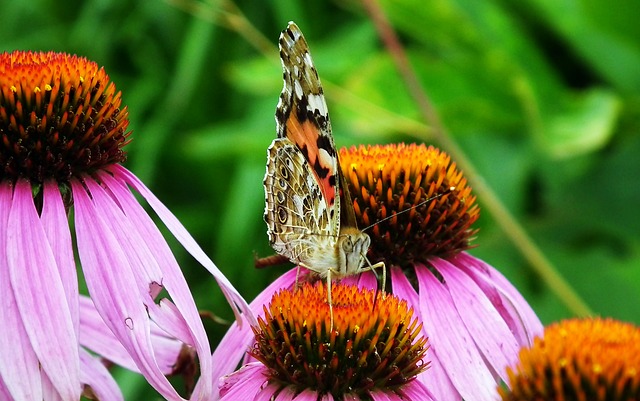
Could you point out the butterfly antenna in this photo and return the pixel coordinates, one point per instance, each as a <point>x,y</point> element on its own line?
<point>448,191</point>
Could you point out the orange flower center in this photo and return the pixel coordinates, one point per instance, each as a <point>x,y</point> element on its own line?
<point>60,117</point>
<point>373,346</point>
<point>581,359</point>
<point>389,186</point>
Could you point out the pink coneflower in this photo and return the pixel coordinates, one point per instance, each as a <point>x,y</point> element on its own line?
<point>62,131</point>
<point>475,320</point>
<point>373,352</point>
<point>591,359</point>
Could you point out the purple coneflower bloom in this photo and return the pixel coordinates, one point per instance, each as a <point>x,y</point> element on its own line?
<point>475,320</point>
<point>374,351</point>
<point>62,132</point>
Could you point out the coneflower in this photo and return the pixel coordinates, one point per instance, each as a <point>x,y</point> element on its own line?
<point>62,133</point>
<point>375,350</point>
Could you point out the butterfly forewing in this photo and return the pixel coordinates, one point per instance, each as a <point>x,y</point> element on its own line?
<point>302,117</point>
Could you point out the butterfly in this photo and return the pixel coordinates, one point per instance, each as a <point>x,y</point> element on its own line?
<point>308,209</point>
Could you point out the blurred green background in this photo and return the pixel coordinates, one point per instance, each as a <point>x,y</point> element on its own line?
<point>543,96</point>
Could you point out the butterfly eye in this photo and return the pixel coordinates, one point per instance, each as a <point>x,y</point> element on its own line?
<point>347,244</point>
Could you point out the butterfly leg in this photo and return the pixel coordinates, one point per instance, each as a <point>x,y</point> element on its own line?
<point>297,275</point>
<point>329,298</point>
<point>373,269</point>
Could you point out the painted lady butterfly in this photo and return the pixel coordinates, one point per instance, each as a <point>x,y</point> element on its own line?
<point>309,212</point>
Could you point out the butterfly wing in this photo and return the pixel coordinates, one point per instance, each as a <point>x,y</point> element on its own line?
<point>302,117</point>
<point>297,217</point>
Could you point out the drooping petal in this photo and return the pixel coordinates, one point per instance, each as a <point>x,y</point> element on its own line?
<point>19,369</point>
<point>490,333</point>
<point>435,378</point>
<point>451,340</point>
<point>96,375</point>
<point>135,240</point>
<point>97,337</point>
<point>56,227</point>
<point>177,229</point>
<point>40,296</point>
<point>183,308</point>
<point>234,345</point>
<point>526,323</point>
<point>114,290</point>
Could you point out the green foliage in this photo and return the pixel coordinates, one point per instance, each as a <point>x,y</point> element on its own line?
<point>542,95</point>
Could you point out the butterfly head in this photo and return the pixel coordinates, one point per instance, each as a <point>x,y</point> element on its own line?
<point>353,245</point>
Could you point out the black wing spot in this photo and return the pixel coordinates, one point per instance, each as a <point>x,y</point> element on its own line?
<point>282,215</point>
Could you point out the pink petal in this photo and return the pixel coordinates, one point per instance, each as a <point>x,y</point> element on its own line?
<point>286,394</point>
<point>245,384</point>
<point>379,395</point>
<point>451,340</point>
<point>40,296</point>
<point>415,390</point>
<point>239,339</point>
<point>56,227</point>
<point>96,375</point>
<point>311,395</point>
<point>19,368</point>
<point>435,377</point>
<point>177,229</point>
<point>515,308</point>
<point>135,236</point>
<point>490,332</point>
<point>96,336</point>
<point>117,296</point>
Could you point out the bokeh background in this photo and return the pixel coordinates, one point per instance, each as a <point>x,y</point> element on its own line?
<point>541,95</point>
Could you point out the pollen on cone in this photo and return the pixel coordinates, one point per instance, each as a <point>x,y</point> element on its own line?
<point>371,347</point>
<point>391,186</point>
<point>579,359</point>
<point>60,116</point>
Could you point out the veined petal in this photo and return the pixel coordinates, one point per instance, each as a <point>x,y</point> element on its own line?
<point>19,368</point>
<point>236,342</point>
<point>113,289</point>
<point>285,394</point>
<point>527,324</point>
<point>96,375</point>
<point>56,227</point>
<point>244,384</point>
<point>451,340</point>
<point>490,332</point>
<point>96,336</point>
<point>145,267</point>
<point>177,229</point>
<point>435,378</point>
<point>417,391</point>
<point>40,296</point>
